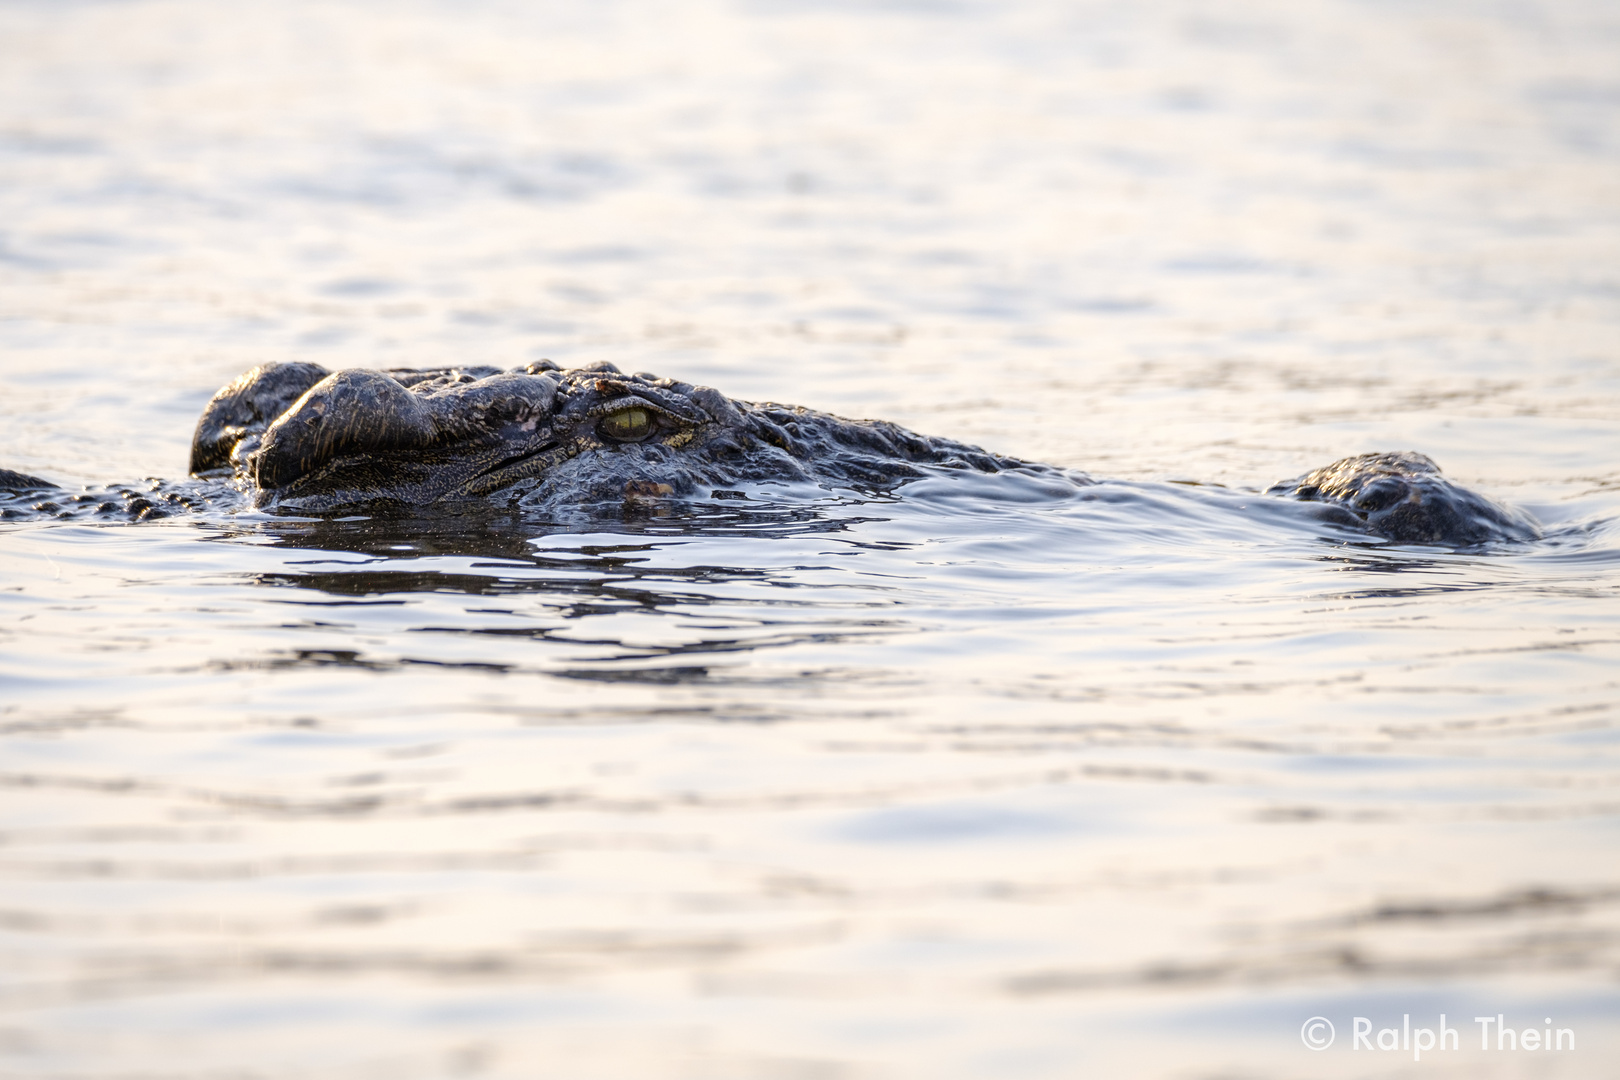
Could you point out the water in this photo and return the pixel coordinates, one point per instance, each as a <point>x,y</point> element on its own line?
<point>960,783</point>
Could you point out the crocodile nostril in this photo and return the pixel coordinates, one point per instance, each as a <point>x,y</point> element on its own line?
<point>371,412</point>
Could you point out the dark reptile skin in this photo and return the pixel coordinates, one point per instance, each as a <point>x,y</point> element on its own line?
<point>296,437</point>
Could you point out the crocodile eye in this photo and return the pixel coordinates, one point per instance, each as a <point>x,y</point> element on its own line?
<point>626,425</point>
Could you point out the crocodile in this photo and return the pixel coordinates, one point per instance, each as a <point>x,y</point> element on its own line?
<point>297,438</point>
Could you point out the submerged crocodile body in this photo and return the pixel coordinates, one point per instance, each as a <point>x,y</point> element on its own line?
<point>302,439</point>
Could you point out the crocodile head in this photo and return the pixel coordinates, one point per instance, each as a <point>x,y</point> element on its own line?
<point>296,436</point>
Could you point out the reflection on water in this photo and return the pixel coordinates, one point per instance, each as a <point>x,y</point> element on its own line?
<point>993,776</point>
<point>792,760</point>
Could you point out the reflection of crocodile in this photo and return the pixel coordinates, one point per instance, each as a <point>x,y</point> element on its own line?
<point>296,437</point>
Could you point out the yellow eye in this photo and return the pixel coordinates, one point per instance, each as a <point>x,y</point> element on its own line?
<point>626,425</point>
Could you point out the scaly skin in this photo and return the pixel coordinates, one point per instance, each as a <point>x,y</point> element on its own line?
<point>296,437</point>
<point>551,438</point>
<point>1403,497</point>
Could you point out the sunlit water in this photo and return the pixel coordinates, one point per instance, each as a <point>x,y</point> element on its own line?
<point>962,782</point>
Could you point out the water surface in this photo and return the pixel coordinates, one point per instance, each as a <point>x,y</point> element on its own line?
<point>954,782</point>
